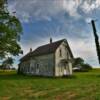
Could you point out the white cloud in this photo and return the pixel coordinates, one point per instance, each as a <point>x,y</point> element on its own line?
<point>87,6</point>
<point>44,9</point>
<point>88,20</point>
<point>71,7</point>
<point>80,48</point>
<point>90,5</point>
<point>84,48</point>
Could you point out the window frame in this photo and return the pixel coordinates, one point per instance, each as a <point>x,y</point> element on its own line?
<point>60,52</point>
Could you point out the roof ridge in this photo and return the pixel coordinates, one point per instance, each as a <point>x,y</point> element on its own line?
<point>52,43</point>
<point>44,49</point>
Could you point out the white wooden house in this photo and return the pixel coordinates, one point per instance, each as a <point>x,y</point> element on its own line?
<point>53,59</point>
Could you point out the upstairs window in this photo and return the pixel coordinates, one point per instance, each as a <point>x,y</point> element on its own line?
<point>65,48</point>
<point>67,55</point>
<point>60,53</point>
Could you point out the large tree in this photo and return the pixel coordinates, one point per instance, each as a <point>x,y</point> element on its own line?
<point>7,63</point>
<point>78,62</point>
<point>10,31</point>
<point>81,65</point>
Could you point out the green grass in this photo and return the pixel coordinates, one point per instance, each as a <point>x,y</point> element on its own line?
<point>82,86</point>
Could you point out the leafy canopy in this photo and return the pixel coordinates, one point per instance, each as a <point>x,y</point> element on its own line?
<point>10,32</point>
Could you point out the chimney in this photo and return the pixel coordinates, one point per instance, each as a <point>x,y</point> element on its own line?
<point>30,49</point>
<point>50,40</point>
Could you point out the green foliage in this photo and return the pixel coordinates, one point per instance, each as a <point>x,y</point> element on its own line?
<point>7,63</point>
<point>10,31</point>
<point>2,3</point>
<point>86,66</point>
<point>79,63</point>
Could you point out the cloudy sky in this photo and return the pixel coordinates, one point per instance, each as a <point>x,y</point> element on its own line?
<point>70,19</point>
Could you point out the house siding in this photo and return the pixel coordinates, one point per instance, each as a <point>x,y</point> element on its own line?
<point>40,65</point>
<point>48,64</point>
<point>59,71</point>
<point>24,66</point>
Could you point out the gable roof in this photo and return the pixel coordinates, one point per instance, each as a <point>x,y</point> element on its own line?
<point>45,49</point>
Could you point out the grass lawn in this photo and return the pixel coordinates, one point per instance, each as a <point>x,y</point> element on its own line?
<point>82,86</point>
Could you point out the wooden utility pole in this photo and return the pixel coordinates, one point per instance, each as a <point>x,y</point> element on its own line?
<point>96,39</point>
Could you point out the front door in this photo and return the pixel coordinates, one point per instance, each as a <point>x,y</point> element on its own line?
<point>66,70</point>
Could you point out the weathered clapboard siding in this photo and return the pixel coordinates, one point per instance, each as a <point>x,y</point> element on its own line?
<point>48,60</point>
<point>59,69</point>
<point>43,65</point>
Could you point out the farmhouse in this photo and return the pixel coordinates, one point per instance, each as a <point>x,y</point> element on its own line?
<point>53,59</point>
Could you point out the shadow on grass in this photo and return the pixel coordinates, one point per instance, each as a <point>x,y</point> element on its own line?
<point>98,76</point>
<point>15,76</point>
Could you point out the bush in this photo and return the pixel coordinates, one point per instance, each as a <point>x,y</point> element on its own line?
<point>86,66</point>
<point>83,68</point>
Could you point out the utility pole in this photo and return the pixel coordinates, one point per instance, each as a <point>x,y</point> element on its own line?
<point>96,39</point>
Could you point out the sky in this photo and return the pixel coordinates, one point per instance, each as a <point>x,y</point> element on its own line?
<point>59,19</point>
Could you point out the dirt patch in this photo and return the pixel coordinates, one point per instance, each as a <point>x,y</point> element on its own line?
<point>66,96</point>
<point>26,91</point>
<point>40,93</point>
<point>5,98</point>
<point>71,95</point>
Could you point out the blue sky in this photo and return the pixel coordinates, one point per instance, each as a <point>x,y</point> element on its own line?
<point>42,19</point>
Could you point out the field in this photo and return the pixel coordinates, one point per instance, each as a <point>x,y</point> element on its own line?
<point>81,86</point>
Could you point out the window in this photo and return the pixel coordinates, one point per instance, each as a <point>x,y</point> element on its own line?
<point>60,53</point>
<point>28,69</point>
<point>37,65</point>
<point>37,68</point>
<point>67,55</point>
<point>65,48</point>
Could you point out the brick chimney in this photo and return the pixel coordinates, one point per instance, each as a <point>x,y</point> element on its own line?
<point>30,49</point>
<point>50,40</point>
